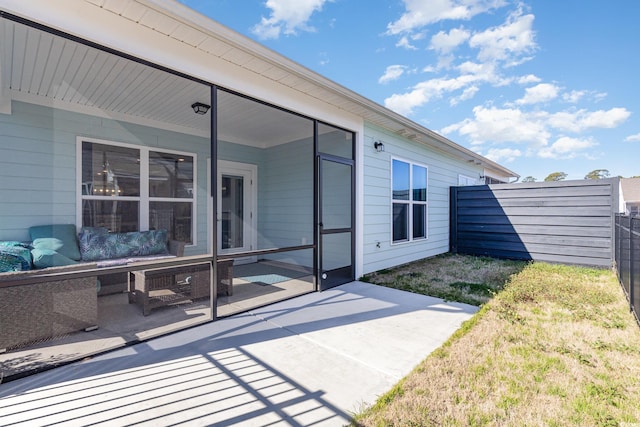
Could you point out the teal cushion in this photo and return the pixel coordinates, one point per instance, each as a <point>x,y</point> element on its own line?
<point>43,258</point>
<point>58,237</point>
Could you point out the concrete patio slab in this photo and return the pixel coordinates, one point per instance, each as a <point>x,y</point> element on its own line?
<point>311,360</point>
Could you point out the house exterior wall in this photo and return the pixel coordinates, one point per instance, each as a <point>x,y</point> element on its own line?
<point>285,191</point>
<point>287,196</point>
<point>443,172</point>
<point>38,160</point>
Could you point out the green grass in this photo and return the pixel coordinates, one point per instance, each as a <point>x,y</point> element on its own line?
<point>471,280</point>
<point>552,345</point>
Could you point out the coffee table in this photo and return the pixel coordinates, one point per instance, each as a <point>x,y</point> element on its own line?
<point>161,287</point>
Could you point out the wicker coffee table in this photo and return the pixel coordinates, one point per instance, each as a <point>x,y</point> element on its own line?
<point>160,287</point>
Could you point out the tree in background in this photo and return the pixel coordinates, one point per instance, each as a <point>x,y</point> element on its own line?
<point>555,176</point>
<point>529,179</point>
<point>597,174</point>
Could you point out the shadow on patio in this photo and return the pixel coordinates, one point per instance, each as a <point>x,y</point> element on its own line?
<point>310,360</point>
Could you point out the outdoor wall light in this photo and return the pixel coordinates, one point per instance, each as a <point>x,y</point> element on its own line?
<point>379,146</point>
<point>200,108</point>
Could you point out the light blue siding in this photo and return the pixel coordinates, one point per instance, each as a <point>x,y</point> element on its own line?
<point>443,171</point>
<point>286,216</point>
<point>285,191</point>
<point>38,159</point>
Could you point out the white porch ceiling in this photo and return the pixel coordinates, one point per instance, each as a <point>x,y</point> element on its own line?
<point>46,69</point>
<point>42,68</point>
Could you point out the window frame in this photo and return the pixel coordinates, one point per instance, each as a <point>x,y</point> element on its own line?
<point>410,203</point>
<point>144,199</point>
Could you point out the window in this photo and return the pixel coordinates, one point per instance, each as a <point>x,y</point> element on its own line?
<point>409,201</point>
<point>130,188</point>
<point>490,180</point>
<point>464,180</point>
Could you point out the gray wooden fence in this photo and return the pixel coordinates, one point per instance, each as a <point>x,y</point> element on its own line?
<point>570,222</point>
<point>627,255</point>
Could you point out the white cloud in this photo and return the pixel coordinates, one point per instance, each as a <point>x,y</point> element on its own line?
<point>406,102</point>
<point>472,75</point>
<point>393,72</point>
<point>503,154</point>
<point>528,79</point>
<point>405,43</point>
<point>599,96</point>
<point>287,16</point>
<point>496,125</point>
<point>566,148</point>
<point>605,119</point>
<point>446,42</point>
<point>574,96</point>
<point>467,94</point>
<point>493,126</point>
<point>543,92</point>
<point>510,42</point>
<point>420,13</point>
<point>406,40</point>
<point>633,138</point>
<point>425,91</point>
<point>580,120</point>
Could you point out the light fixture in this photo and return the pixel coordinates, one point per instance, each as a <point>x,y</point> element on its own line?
<point>200,108</point>
<point>379,146</point>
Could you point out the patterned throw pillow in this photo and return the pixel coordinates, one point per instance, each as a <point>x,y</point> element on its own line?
<point>10,262</point>
<point>14,256</point>
<point>152,242</point>
<point>96,247</point>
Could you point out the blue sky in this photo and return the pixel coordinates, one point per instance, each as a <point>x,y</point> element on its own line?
<point>538,86</point>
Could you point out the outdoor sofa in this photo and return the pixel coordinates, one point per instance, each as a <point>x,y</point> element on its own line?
<point>39,300</point>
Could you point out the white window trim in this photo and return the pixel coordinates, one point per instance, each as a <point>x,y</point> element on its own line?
<point>144,198</point>
<point>409,202</point>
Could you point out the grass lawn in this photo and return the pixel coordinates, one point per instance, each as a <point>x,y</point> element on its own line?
<point>552,345</point>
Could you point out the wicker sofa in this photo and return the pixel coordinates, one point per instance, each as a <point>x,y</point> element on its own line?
<point>46,302</point>
<point>40,304</point>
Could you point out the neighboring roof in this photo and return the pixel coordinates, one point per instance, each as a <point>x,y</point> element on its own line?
<point>630,189</point>
<point>174,20</point>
